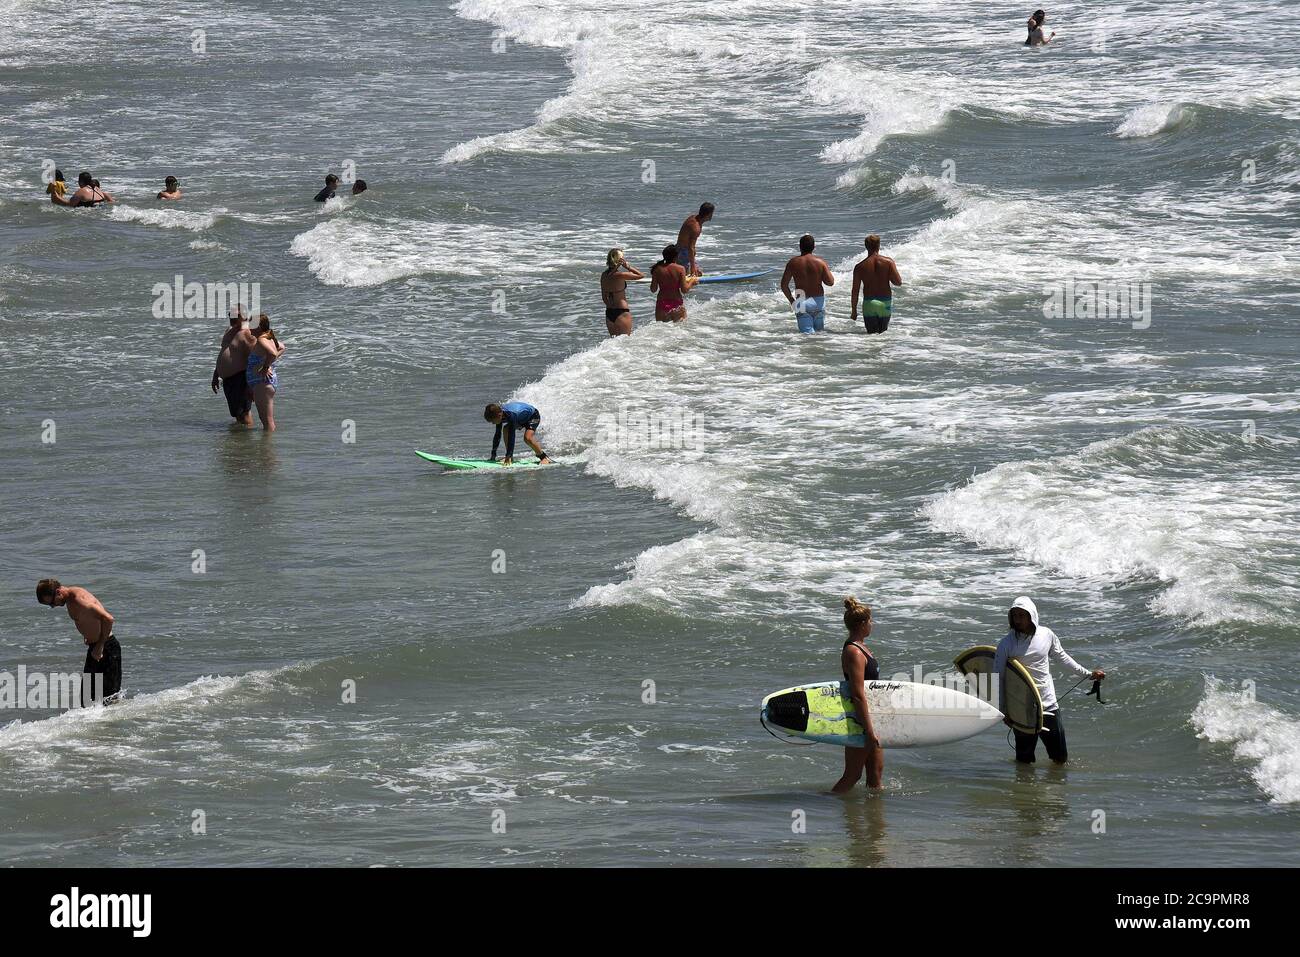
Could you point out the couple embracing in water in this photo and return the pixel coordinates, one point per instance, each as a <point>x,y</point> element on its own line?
<point>246,370</point>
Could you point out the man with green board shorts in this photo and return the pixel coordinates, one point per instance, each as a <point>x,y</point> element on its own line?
<point>875,276</point>
<point>511,416</point>
<point>1033,645</point>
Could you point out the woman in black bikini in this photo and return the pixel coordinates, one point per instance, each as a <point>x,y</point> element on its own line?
<point>613,292</point>
<point>88,193</point>
<point>859,666</point>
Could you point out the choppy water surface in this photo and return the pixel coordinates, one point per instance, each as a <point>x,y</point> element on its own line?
<point>1136,475</point>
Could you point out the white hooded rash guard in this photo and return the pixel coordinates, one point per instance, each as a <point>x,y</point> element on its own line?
<point>1033,652</point>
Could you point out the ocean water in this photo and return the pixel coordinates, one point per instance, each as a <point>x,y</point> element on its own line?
<point>1137,475</point>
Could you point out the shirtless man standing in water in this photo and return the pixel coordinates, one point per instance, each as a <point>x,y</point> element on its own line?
<point>875,276</point>
<point>104,657</point>
<point>689,235</point>
<point>809,274</point>
<point>232,362</point>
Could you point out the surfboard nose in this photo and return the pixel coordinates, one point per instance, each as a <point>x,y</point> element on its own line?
<point>788,710</point>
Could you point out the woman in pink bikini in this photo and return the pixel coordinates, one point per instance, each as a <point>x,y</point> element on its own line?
<point>670,281</point>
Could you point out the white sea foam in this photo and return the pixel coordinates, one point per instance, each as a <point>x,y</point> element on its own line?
<point>343,251</point>
<point>166,218</point>
<point>1262,737</point>
<point>74,725</point>
<point>1151,119</point>
<point>1100,514</point>
<point>889,106</point>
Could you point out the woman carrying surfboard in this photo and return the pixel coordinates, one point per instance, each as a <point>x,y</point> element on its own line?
<point>860,666</point>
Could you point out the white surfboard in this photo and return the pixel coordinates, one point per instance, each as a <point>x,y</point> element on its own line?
<point>905,714</point>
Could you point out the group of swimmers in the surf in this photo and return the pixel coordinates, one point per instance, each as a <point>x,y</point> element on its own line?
<point>90,194</point>
<point>803,283</point>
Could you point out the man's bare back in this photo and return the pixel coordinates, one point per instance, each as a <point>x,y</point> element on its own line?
<point>808,273</point>
<point>877,275</point>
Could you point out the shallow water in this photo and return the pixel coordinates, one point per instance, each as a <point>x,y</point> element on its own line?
<point>1136,476</point>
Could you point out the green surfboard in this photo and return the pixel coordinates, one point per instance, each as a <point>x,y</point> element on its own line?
<point>464,464</point>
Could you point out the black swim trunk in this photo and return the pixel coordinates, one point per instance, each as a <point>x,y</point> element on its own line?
<point>613,312</point>
<point>103,678</point>
<point>1053,735</point>
<point>533,423</point>
<point>239,397</point>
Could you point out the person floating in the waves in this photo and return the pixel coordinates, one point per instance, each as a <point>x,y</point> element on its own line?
<point>102,674</point>
<point>231,372</point>
<point>358,187</point>
<point>809,274</point>
<point>88,194</point>
<point>171,188</point>
<point>510,416</point>
<point>57,186</point>
<point>689,235</point>
<point>1035,24</point>
<point>331,184</point>
<point>1033,645</point>
<point>670,282</point>
<point>261,374</point>
<point>613,291</point>
<point>875,278</point>
<point>859,666</point>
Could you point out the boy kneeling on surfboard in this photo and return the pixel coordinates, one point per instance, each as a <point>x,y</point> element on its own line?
<point>511,416</point>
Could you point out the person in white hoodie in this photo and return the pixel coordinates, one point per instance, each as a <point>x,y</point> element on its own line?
<point>1033,645</point>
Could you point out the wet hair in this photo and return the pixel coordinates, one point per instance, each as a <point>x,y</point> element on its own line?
<point>872,243</point>
<point>491,411</point>
<point>331,179</point>
<point>46,589</point>
<point>171,182</point>
<point>855,613</point>
<point>358,187</point>
<point>807,243</point>
<point>58,175</point>
<point>264,328</point>
<point>612,259</point>
<point>706,209</point>
<point>1035,22</point>
<point>84,179</point>
<point>670,255</point>
<point>95,183</point>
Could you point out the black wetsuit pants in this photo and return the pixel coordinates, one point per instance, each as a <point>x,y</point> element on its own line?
<point>1053,735</point>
